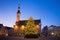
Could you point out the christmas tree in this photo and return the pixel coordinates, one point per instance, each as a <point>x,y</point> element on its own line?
<point>30,27</point>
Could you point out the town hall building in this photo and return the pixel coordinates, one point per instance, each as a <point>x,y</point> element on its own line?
<point>20,24</point>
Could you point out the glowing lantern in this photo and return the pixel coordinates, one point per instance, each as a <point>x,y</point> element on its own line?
<point>22,27</point>
<point>16,28</point>
<point>37,26</point>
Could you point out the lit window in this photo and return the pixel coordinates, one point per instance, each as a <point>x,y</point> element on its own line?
<point>6,34</point>
<point>52,33</point>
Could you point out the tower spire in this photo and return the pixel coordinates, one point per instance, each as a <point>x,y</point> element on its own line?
<point>18,14</point>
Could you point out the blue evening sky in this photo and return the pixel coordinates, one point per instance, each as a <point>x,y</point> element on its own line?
<point>46,10</point>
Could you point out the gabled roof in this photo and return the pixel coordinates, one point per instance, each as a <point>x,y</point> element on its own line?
<point>23,22</point>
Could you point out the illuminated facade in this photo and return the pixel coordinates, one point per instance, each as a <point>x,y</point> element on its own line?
<point>54,30</point>
<point>21,24</point>
<point>3,30</point>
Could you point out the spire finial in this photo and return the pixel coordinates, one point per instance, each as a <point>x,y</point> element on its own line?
<point>18,6</point>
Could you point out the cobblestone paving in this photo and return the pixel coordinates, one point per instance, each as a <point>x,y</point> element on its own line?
<point>21,38</point>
